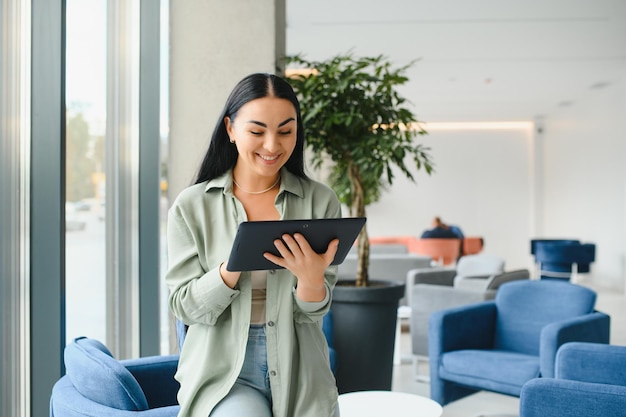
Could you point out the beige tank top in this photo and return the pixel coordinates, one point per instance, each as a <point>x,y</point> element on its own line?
<point>259,290</point>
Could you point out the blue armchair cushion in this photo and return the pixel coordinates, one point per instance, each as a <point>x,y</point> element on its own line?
<point>523,312</point>
<point>90,367</point>
<point>494,370</point>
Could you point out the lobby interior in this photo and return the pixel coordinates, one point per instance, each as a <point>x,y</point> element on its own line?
<point>523,104</point>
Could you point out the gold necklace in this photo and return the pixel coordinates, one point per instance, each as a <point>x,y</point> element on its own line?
<point>256,192</point>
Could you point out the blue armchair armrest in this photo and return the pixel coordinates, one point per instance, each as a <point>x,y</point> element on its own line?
<point>592,362</point>
<point>543,397</point>
<point>155,375</point>
<point>593,327</point>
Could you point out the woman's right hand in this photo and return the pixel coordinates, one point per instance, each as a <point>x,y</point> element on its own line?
<point>300,259</point>
<point>230,278</point>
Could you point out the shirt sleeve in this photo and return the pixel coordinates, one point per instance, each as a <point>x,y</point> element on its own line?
<point>312,307</point>
<point>196,295</point>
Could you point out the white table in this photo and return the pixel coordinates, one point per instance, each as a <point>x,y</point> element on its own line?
<point>387,404</point>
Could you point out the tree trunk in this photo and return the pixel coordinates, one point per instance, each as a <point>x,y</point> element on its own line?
<point>357,209</point>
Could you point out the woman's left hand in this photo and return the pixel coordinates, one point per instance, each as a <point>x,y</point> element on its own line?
<point>308,266</point>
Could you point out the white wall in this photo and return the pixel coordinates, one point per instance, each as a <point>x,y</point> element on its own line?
<point>512,185</point>
<point>585,178</point>
<point>483,183</point>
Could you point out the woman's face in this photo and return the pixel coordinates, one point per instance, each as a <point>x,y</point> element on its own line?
<point>264,132</point>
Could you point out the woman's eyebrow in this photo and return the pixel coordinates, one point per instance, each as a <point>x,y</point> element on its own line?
<point>256,122</point>
<point>286,121</point>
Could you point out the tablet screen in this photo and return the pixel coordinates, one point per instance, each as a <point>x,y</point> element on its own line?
<point>255,238</point>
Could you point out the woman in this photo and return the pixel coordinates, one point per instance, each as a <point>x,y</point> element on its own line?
<point>254,345</point>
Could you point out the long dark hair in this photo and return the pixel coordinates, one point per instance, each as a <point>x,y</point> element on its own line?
<point>222,155</point>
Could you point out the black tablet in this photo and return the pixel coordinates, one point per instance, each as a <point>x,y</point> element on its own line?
<point>253,239</point>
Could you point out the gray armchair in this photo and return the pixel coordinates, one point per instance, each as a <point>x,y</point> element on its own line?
<point>473,270</point>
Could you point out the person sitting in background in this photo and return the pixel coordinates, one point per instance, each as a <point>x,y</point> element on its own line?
<point>441,230</point>
<point>456,230</point>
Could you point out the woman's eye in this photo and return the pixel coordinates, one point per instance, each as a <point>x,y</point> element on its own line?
<point>288,132</point>
<point>255,133</point>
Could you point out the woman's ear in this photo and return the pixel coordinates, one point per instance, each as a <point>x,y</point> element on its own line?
<point>229,129</point>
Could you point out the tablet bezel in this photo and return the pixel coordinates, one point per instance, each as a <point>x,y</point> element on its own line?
<point>254,238</point>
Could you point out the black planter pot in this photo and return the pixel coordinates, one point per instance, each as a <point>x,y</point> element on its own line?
<point>364,326</point>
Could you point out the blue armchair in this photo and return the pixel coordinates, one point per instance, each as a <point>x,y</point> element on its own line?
<point>590,381</point>
<point>500,345</point>
<point>564,260</point>
<point>327,328</point>
<point>96,384</point>
<point>536,242</point>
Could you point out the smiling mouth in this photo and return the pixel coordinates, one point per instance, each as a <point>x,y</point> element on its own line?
<point>269,158</point>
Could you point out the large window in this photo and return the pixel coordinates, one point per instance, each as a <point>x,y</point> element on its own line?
<point>14,189</point>
<point>167,333</point>
<point>85,251</point>
<point>80,179</point>
<point>114,185</point>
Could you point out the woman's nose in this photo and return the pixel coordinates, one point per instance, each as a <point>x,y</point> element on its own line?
<point>272,142</point>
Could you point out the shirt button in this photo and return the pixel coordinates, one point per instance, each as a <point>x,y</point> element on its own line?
<point>270,323</point>
<point>272,271</point>
<point>273,373</point>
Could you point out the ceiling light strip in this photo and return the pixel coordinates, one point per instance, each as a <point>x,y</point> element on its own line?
<point>523,125</point>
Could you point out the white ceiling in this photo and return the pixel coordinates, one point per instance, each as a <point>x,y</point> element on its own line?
<point>478,60</point>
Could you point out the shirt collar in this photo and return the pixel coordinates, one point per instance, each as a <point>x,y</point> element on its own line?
<point>224,181</point>
<point>288,182</point>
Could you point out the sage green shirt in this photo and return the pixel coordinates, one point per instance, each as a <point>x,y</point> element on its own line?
<point>202,224</point>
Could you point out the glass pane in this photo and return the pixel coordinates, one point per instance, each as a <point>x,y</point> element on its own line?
<point>86,120</point>
<point>167,333</point>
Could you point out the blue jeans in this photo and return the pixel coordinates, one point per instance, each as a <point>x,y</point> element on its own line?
<point>251,395</point>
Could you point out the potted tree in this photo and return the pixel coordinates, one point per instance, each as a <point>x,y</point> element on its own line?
<point>355,119</point>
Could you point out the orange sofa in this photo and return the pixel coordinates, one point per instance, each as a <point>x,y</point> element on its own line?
<point>442,251</point>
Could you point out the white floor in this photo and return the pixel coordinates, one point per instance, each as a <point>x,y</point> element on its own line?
<point>487,403</point>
